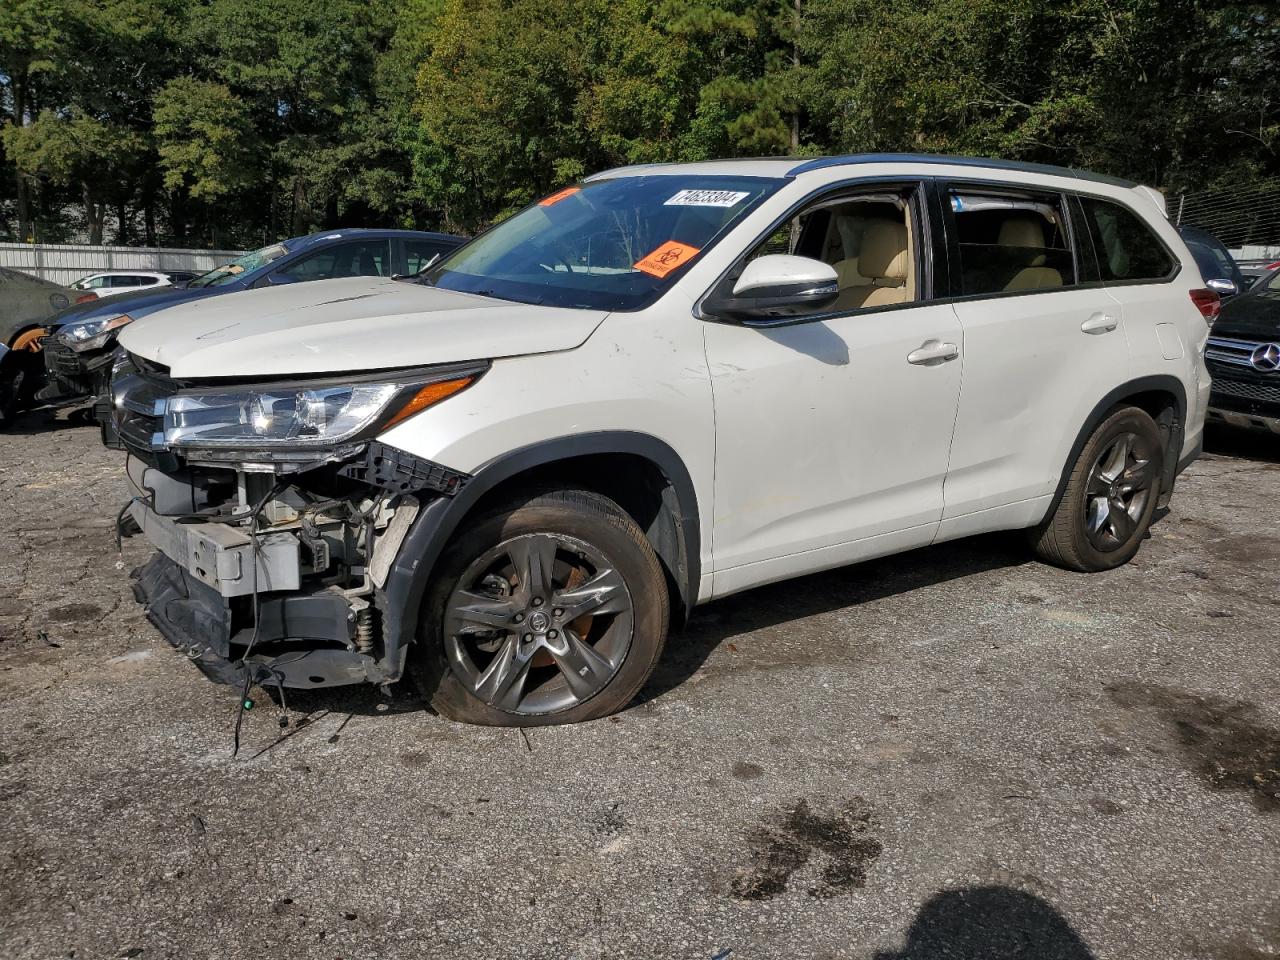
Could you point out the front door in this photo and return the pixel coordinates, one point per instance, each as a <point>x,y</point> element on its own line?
<point>832,434</point>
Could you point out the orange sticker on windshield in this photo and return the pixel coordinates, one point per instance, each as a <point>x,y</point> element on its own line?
<point>558,196</point>
<point>666,258</point>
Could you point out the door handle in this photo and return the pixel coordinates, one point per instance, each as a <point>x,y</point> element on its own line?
<point>1099,323</point>
<point>932,352</point>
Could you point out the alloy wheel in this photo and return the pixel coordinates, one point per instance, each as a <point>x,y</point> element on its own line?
<point>538,624</point>
<point>1116,495</point>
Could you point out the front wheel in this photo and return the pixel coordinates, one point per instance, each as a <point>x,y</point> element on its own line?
<point>1111,494</point>
<point>550,610</point>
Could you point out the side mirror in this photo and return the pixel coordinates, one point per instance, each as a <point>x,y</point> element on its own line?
<point>776,287</point>
<point>1223,287</point>
<point>278,278</point>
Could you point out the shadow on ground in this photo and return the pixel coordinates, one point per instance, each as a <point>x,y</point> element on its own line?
<point>48,420</point>
<point>779,603</point>
<point>990,923</point>
<point>1240,444</point>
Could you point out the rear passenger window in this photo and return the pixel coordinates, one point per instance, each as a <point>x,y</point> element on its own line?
<point>1127,248</point>
<point>1011,243</point>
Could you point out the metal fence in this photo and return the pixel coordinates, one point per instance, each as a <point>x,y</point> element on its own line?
<point>1246,218</point>
<point>66,263</point>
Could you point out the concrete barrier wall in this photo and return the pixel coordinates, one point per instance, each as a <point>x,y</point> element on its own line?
<point>67,263</point>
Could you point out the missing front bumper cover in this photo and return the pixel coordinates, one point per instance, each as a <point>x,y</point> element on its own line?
<point>305,639</point>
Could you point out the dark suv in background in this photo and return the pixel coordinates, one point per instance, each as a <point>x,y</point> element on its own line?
<point>1243,356</point>
<point>82,338</point>
<point>1221,273</point>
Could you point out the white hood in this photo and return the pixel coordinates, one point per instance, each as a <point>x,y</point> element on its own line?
<point>361,323</point>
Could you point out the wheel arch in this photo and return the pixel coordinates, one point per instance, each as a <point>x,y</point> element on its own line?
<point>24,332</point>
<point>642,473</point>
<point>1164,397</point>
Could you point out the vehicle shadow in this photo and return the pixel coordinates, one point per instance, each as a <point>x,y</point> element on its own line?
<point>1238,443</point>
<point>990,923</point>
<point>47,420</point>
<point>720,621</point>
<point>769,606</point>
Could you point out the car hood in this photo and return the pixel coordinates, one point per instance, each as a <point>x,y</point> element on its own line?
<point>139,303</point>
<point>1253,315</point>
<point>360,323</point>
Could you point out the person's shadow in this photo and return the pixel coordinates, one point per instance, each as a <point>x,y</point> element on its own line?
<point>990,923</point>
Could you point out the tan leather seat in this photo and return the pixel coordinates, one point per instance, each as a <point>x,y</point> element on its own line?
<point>1027,233</point>
<point>885,261</point>
<point>844,245</point>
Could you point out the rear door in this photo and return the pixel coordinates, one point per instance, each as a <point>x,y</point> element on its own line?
<point>1043,344</point>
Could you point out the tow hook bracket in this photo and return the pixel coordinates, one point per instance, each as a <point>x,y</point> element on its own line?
<point>397,471</point>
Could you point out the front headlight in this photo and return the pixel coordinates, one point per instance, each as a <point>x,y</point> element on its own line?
<point>92,334</point>
<point>301,416</point>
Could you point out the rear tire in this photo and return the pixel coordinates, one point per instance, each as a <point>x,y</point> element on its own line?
<point>551,609</point>
<point>1110,497</point>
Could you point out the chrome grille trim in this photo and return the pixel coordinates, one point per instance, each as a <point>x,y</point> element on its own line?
<point>1235,352</point>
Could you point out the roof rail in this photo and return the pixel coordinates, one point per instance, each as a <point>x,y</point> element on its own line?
<point>821,163</point>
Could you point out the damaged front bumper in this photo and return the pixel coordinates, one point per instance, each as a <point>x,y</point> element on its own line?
<point>73,376</point>
<point>275,570</point>
<point>304,640</point>
<point>238,608</point>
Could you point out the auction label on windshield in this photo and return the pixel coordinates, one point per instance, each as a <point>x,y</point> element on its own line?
<point>558,196</point>
<point>666,258</point>
<point>707,198</point>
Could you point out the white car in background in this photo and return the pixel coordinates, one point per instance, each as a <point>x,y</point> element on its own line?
<point>663,385</point>
<point>111,282</point>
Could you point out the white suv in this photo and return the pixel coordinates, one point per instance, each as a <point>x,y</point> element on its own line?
<point>508,474</point>
<point>112,282</point>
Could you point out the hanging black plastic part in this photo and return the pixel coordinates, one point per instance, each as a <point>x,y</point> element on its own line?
<point>397,471</point>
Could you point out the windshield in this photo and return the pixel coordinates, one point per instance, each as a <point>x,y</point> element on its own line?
<point>607,245</point>
<point>240,265</point>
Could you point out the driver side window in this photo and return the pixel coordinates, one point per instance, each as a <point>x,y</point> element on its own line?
<point>869,239</point>
<point>369,258</point>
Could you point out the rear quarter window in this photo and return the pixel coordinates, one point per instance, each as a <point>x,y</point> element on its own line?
<point>1127,249</point>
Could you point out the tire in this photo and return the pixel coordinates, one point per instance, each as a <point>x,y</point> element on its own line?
<point>498,641</point>
<point>1111,494</point>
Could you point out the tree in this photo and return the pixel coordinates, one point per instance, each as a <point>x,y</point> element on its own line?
<point>77,150</point>
<point>31,44</point>
<point>205,138</point>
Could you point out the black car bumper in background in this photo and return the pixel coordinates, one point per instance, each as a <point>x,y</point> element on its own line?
<point>1245,391</point>
<point>74,376</point>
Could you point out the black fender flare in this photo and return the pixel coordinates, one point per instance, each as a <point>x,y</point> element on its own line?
<point>1157,383</point>
<point>438,519</point>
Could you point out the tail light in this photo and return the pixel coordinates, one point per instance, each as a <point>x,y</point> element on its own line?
<point>1208,303</point>
<point>86,297</point>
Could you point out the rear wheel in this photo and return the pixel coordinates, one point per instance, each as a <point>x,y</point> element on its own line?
<point>551,610</point>
<point>1111,494</point>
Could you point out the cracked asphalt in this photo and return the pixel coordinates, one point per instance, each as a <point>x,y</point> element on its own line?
<point>954,753</point>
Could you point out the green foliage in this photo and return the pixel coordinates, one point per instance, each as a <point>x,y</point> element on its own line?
<point>204,138</point>
<point>241,121</point>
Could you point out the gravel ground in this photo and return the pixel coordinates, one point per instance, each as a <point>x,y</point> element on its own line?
<point>953,753</point>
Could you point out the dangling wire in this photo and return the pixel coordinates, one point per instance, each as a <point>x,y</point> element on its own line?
<point>245,702</point>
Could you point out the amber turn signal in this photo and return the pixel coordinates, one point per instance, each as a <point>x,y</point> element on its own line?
<point>429,395</point>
